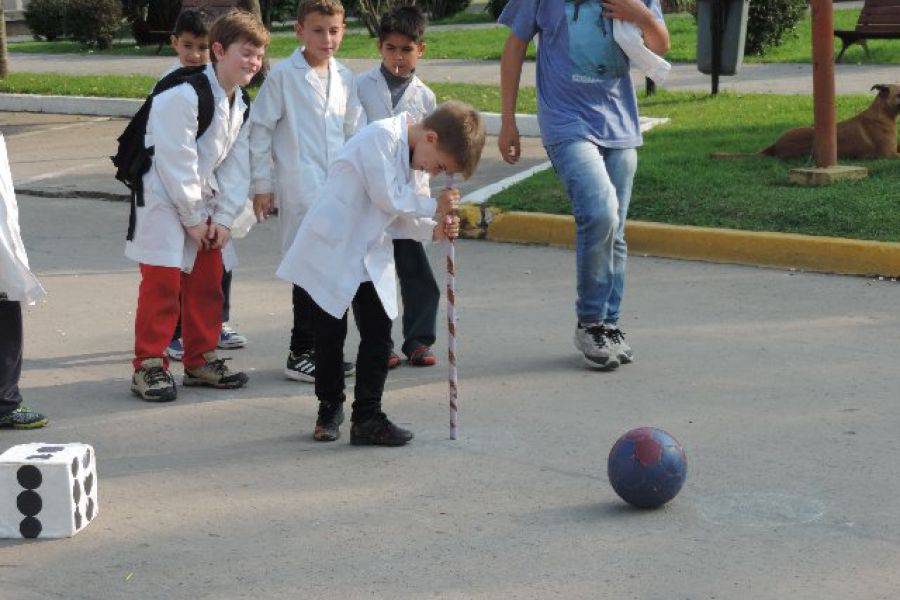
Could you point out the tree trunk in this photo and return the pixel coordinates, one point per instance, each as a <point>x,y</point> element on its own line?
<point>4,63</point>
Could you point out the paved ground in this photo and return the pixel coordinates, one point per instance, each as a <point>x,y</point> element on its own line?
<point>781,386</point>
<point>769,78</point>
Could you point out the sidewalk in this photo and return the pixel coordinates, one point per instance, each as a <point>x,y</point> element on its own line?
<point>753,78</point>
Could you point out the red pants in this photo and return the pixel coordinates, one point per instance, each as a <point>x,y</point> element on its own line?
<point>200,292</point>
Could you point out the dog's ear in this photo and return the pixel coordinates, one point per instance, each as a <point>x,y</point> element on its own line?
<point>883,90</point>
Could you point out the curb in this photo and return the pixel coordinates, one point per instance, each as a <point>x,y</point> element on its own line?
<point>764,249</point>
<point>126,107</point>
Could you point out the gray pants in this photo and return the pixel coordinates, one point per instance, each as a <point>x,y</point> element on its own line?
<point>10,355</point>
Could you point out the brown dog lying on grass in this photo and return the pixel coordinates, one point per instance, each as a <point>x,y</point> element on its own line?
<point>870,134</point>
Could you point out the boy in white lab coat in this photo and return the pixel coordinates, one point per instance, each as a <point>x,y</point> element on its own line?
<point>343,254</point>
<point>386,91</point>
<point>303,114</point>
<point>17,284</point>
<point>190,39</point>
<point>193,191</point>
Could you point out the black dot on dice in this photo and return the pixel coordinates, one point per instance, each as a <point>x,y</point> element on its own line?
<point>87,458</point>
<point>29,477</point>
<point>89,511</point>
<point>88,483</point>
<point>77,518</point>
<point>50,449</point>
<point>74,467</point>
<point>29,503</point>
<point>30,527</point>
<point>76,491</point>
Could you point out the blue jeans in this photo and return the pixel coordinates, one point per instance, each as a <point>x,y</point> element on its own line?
<point>598,182</point>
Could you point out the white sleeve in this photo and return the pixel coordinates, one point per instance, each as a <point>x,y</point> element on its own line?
<point>173,124</point>
<point>384,187</point>
<point>233,176</point>
<point>355,116</point>
<point>428,100</point>
<point>412,228</point>
<point>628,37</point>
<point>268,108</point>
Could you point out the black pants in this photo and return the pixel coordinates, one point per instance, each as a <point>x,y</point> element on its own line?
<point>419,292</point>
<point>10,355</point>
<point>302,333</point>
<point>371,359</point>
<point>226,304</point>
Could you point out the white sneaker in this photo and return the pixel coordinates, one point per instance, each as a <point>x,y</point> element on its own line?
<point>230,339</point>
<point>591,341</point>
<point>618,346</point>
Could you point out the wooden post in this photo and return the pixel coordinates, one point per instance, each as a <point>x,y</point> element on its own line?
<point>825,144</point>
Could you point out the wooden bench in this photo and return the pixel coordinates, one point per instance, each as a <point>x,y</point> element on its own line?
<point>879,20</point>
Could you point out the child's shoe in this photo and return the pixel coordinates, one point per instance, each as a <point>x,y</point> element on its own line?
<point>618,347</point>
<point>591,340</point>
<point>175,349</point>
<point>229,339</point>
<point>302,367</point>
<point>328,422</point>
<point>23,418</point>
<point>379,431</point>
<point>153,382</point>
<point>215,373</point>
<point>393,360</point>
<point>422,356</point>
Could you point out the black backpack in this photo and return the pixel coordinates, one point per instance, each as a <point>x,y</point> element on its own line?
<point>133,160</point>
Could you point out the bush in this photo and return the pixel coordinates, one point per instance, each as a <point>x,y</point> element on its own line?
<point>769,21</point>
<point>46,18</point>
<point>151,22</point>
<point>495,7</point>
<point>94,22</point>
<point>441,9</point>
<point>679,6</point>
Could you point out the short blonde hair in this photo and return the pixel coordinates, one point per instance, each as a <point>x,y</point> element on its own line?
<point>238,26</point>
<point>323,7</point>
<point>460,131</point>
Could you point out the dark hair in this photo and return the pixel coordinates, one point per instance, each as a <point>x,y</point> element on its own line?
<point>191,21</point>
<point>460,131</point>
<point>405,20</point>
<point>238,26</point>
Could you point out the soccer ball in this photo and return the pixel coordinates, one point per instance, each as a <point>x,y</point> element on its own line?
<point>647,467</point>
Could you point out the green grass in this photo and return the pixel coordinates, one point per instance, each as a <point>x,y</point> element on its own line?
<point>677,183</point>
<point>487,44</point>
<point>483,97</point>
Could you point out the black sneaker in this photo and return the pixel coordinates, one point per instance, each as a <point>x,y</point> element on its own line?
<point>23,418</point>
<point>328,423</point>
<point>302,367</point>
<point>379,431</point>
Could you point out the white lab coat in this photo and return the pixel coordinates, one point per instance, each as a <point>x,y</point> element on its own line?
<point>191,179</point>
<point>375,96</point>
<point>370,197</point>
<point>295,134</point>
<point>17,281</point>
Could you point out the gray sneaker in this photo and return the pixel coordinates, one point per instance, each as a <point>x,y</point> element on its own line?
<point>214,373</point>
<point>618,346</point>
<point>591,341</point>
<point>153,382</point>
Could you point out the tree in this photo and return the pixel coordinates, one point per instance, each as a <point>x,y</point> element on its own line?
<point>4,63</point>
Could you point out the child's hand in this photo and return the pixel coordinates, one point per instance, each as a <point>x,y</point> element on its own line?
<point>198,234</point>
<point>448,201</point>
<point>626,10</point>
<point>262,206</point>
<point>447,229</point>
<point>218,236</point>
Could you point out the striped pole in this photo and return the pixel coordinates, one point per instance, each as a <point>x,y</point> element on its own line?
<point>451,330</point>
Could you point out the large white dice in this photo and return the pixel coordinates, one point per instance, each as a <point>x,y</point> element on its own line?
<point>47,490</point>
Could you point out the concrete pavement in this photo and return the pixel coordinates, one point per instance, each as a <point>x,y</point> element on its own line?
<point>781,386</point>
<point>753,78</point>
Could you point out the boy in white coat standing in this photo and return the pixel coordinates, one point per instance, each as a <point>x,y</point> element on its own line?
<point>343,254</point>
<point>385,91</point>
<point>192,193</point>
<point>303,114</point>
<point>17,284</point>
